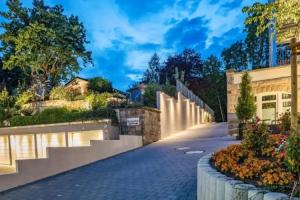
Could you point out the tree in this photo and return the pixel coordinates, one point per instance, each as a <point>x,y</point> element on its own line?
<point>246,107</point>
<point>257,46</point>
<point>100,85</point>
<point>235,57</point>
<point>43,41</point>
<point>186,66</point>
<point>281,17</point>
<point>214,74</point>
<point>151,75</point>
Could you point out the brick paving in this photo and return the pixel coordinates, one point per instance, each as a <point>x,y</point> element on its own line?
<point>157,171</point>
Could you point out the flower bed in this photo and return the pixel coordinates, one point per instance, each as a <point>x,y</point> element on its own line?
<point>265,168</point>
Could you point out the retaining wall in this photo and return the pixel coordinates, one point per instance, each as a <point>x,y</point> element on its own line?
<point>178,114</point>
<point>213,185</point>
<point>61,159</point>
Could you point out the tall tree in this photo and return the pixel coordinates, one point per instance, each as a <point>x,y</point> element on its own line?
<point>235,57</point>
<point>246,107</point>
<point>43,41</point>
<point>257,46</point>
<point>186,66</point>
<point>151,75</point>
<point>211,87</point>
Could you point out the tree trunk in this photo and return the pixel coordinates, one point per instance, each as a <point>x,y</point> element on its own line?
<point>294,86</point>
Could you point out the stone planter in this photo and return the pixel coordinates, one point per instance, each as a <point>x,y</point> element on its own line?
<point>213,185</point>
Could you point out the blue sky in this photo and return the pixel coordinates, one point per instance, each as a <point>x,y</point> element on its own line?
<point>123,34</point>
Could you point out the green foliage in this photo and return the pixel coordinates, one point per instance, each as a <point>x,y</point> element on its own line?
<point>100,85</point>
<point>151,75</point>
<point>6,105</point>
<point>257,46</point>
<point>246,107</point>
<point>63,93</point>
<point>149,97</point>
<point>43,42</point>
<point>293,152</point>
<point>24,98</point>
<point>60,115</point>
<point>235,57</point>
<point>99,100</point>
<point>275,16</point>
<point>285,122</point>
<point>256,138</point>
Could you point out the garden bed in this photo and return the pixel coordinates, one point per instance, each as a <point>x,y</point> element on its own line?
<point>265,167</point>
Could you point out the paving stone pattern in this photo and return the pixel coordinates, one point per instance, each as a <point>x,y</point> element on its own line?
<point>158,171</point>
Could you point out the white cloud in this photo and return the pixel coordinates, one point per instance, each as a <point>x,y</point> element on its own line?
<point>134,77</point>
<point>138,60</point>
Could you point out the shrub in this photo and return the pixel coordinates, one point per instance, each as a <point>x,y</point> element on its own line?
<point>243,164</point>
<point>100,85</point>
<point>62,93</point>
<point>24,98</point>
<point>256,138</point>
<point>60,115</point>
<point>99,100</point>
<point>293,152</point>
<point>149,97</point>
<point>285,122</point>
<point>6,105</point>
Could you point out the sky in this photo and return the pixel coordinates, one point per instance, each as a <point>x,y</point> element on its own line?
<point>124,34</point>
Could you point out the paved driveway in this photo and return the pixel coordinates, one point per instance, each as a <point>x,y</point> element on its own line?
<point>157,171</point>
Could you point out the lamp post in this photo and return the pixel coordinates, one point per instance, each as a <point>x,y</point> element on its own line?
<point>295,47</point>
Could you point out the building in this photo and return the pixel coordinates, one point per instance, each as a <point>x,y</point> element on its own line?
<point>271,88</point>
<point>135,94</point>
<point>78,84</point>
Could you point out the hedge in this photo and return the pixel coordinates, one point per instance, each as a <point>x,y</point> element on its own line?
<point>61,115</point>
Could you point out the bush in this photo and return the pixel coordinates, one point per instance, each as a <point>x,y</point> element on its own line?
<point>285,122</point>
<point>149,97</point>
<point>60,115</point>
<point>293,152</point>
<point>243,164</point>
<point>99,100</point>
<point>256,138</point>
<point>100,85</point>
<point>6,106</point>
<point>24,98</point>
<point>62,93</point>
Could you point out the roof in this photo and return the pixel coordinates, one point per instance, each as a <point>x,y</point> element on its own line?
<point>75,78</point>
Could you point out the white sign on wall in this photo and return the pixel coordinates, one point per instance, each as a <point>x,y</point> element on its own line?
<point>134,121</point>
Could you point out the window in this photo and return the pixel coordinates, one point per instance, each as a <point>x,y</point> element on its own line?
<point>269,98</point>
<point>255,98</point>
<point>286,96</point>
<point>268,105</point>
<point>286,104</point>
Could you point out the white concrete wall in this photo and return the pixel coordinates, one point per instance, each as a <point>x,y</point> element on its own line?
<point>61,159</point>
<point>178,114</point>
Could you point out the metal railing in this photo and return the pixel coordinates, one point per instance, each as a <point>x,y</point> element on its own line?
<point>180,87</point>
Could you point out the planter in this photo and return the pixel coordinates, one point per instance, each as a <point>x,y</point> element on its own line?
<point>213,185</point>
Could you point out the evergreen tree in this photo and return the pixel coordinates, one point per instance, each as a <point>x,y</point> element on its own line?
<point>246,107</point>
<point>151,75</point>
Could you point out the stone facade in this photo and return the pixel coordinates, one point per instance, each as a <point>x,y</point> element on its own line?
<point>264,81</point>
<point>148,126</point>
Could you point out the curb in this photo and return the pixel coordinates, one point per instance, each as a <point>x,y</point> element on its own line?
<point>213,185</point>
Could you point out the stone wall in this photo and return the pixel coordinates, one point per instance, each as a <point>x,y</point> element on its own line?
<point>148,126</point>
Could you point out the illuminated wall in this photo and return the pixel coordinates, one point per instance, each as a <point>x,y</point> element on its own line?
<point>30,146</point>
<point>179,114</point>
